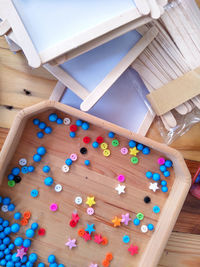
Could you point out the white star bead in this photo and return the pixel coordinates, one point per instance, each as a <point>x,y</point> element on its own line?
<point>153,186</point>
<point>120,189</point>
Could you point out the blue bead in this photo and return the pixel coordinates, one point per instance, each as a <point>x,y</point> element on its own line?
<point>6,240</point>
<point>6,201</point>
<point>41,264</point>
<point>36,121</point>
<point>24,169</point>
<point>8,257</point>
<point>30,233</point>
<point>40,135</point>
<point>1,228</point>
<point>1,254</point>
<point>53,264</point>
<point>150,226</point>
<point>2,246</point>
<point>10,264</point>
<point>7,251</point>
<point>24,259</point>
<point>51,259</point>
<point>146,151</point>
<point>136,221</point>
<point>36,158</point>
<point>87,162</point>
<point>27,243</point>
<point>72,134</point>
<point>139,147</point>
<point>17,216</point>
<point>11,207</point>
<point>2,235</point>
<point>5,223</point>
<point>33,257</point>
<point>31,168</point>
<point>42,125</point>
<point>126,239</point>
<point>79,122</point>
<point>163,168</point>
<point>156,177</point>
<point>7,230</point>
<point>34,193</point>
<point>46,169</point>
<point>15,228</point>
<point>149,175</point>
<point>168,163</point>
<point>10,176</point>
<point>53,117</point>
<point>163,182</point>
<point>156,209</point>
<point>95,144</point>
<point>34,226</point>
<point>15,258</point>
<point>111,135</point>
<point>68,162</point>
<point>48,181</point>
<point>1,219</point>
<point>166,173</point>
<point>132,143</point>
<point>61,265</point>
<point>59,121</point>
<point>15,171</point>
<point>85,126</point>
<point>48,130</point>
<point>164,189</point>
<point>41,151</point>
<point>11,246</point>
<point>1,199</point>
<point>29,264</point>
<point>18,264</point>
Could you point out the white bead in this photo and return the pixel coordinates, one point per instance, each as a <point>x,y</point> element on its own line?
<point>144,228</point>
<point>22,162</point>
<point>66,121</point>
<point>78,200</point>
<point>58,188</point>
<point>4,208</point>
<point>65,168</point>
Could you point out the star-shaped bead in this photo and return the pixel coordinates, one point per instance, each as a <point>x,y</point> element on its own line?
<point>153,186</point>
<point>75,217</point>
<point>133,151</point>
<point>120,189</point>
<point>90,228</point>
<point>125,218</point>
<point>90,201</point>
<point>71,243</point>
<point>98,239</point>
<point>20,253</point>
<point>93,265</point>
<point>133,250</point>
<point>116,221</point>
<point>87,236</point>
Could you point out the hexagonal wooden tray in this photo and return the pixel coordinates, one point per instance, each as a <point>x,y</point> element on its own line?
<point>99,179</point>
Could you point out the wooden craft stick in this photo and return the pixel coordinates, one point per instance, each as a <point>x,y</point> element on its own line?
<point>57,92</point>
<point>4,27</point>
<point>100,90</point>
<point>155,9</point>
<point>142,6</point>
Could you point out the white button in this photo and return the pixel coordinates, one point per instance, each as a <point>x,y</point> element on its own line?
<point>78,200</point>
<point>66,121</point>
<point>58,188</point>
<point>4,208</point>
<point>65,168</point>
<point>22,162</point>
<point>144,228</point>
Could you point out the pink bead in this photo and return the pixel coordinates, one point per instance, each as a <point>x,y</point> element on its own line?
<point>73,157</point>
<point>25,249</point>
<point>124,150</point>
<point>121,178</point>
<point>54,207</point>
<point>161,161</point>
<point>90,211</point>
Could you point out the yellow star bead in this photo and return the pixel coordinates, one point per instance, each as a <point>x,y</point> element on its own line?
<point>90,201</point>
<point>116,221</point>
<point>133,151</point>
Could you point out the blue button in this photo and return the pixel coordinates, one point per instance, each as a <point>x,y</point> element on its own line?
<point>156,209</point>
<point>36,121</point>
<point>15,171</point>
<point>149,175</point>
<point>59,121</point>
<point>72,134</point>
<point>126,239</point>
<point>136,221</point>
<point>156,177</point>
<point>164,189</point>
<point>132,143</point>
<point>111,135</point>
<point>46,169</point>
<point>68,162</point>
<point>24,169</point>
<point>48,130</point>
<point>168,163</point>
<point>36,158</point>
<point>79,122</point>
<point>34,193</point>
<point>41,151</point>
<point>85,126</point>
<point>163,168</point>
<point>31,168</point>
<point>146,150</point>
<point>40,135</point>
<point>150,226</point>
<point>42,125</point>
<point>53,117</point>
<point>166,173</point>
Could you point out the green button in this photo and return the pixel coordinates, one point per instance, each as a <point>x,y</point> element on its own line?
<point>140,216</point>
<point>11,183</point>
<point>115,142</point>
<point>134,160</point>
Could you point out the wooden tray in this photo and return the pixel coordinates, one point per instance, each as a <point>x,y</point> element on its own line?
<point>98,179</point>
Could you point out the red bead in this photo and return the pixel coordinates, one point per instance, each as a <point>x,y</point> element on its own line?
<point>72,223</point>
<point>99,139</point>
<point>86,140</point>
<point>73,128</point>
<point>41,231</point>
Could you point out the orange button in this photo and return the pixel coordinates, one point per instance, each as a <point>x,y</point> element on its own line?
<point>104,241</point>
<point>24,222</point>
<point>105,263</point>
<point>27,214</point>
<point>81,232</point>
<point>109,256</point>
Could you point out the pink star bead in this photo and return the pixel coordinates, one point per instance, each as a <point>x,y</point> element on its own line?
<point>98,239</point>
<point>133,250</point>
<point>20,253</point>
<point>75,217</point>
<point>125,218</point>
<point>93,265</point>
<point>87,236</point>
<point>71,243</point>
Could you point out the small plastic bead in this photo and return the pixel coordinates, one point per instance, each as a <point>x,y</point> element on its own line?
<point>111,135</point>
<point>53,207</point>
<point>51,259</point>
<point>132,143</point>
<point>79,122</point>
<point>168,163</point>
<point>6,240</point>
<point>163,183</point>
<point>149,174</point>
<point>31,168</point>
<point>87,162</point>
<point>18,241</point>
<point>146,150</point>
<point>11,207</point>
<point>15,228</point>
<point>161,161</point>
<point>26,243</point>
<point>42,125</point>
<point>121,178</point>
<point>41,151</point>
<point>48,130</point>
<point>7,230</point>
<point>136,221</point>
<point>156,209</point>
<point>34,226</point>
<point>73,128</point>
<point>30,233</point>
<point>147,199</point>
<point>46,169</point>
<point>85,126</point>
<point>15,171</point>
<point>36,158</point>
<point>59,121</point>
<point>140,147</point>
<point>126,239</point>
<point>156,177</point>
<point>10,176</point>
<point>150,227</point>
<point>6,201</point>
<point>164,189</point>
<point>95,144</point>
<point>72,134</point>
<point>163,168</point>
<point>48,181</point>
<point>33,257</point>
<point>68,162</point>
<point>41,264</point>
<point>166,173</point>
<point>36,121</point>
<point>40,135</point>
<point>53,117</point>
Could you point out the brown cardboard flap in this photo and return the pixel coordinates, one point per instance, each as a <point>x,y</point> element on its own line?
<point>175,92</point>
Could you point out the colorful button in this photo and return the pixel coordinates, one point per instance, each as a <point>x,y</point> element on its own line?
<point>4,208</point>
<point>121,178</point>
<point>150,227</point>
<point>41,231</point>
<point>68,162</point>
<point>58,188</point>
<point>149,175</point>
<point>124,150</point>
<point>99,139</point>
<point>140,216</point>
<point>161,161</point>
<point>90,201</point>
<point>66,121</point>
<point>90,211</point>
<point>126,239</point>
<point>144,228</point>
<point>132,143</point>
<point>134,160</point>
<point>73,157</point>
<point>133,151</point>
<point>72,134</point>
<point>73,128</point>
<point>15,171</point>
<point>136,221</point>
<point>11,183</point>
<point>81,232</point>
<point>85,126</point>
<point>156,209</point>
<point>86,140</point>
<point>147,199</point>
<point>22,162</point>
<point>104,145</point>
<point>109,256</point>
<point>53,207</point>
<point>24,169</point>
<point>156,177</point>
<point>111,135</point>
<point>34,193</point>
<point>65,168</point>
<point>168,163</point>
<point>83,150</point>
<point>27,214</point>
<point>79,123</point>
<point>72,223</point>
<point>78,200</point>
<point>115,142</point>
<point>95,144</point>
<point>46,169</point>
<point>87,162</point>
<point>106,152</point>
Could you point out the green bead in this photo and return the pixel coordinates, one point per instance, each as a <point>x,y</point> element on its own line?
<point>11,183</point>
<point>140,216</point>
<point>115,142</point>
<point>134,160</point>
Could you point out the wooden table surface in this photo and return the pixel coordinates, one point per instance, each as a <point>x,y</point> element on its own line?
<point>21,86</point>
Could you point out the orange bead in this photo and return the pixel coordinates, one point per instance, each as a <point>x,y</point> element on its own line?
<point>27,214</point>
<point>109,256</point>
<point>24,221</point>
<point>81,232</point>
<point>104,241</point>
<point>105,263</point>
